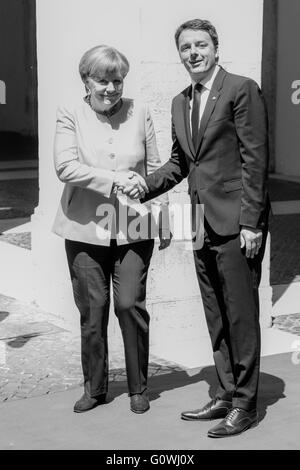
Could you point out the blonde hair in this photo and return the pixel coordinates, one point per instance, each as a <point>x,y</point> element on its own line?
<point>102,60</point>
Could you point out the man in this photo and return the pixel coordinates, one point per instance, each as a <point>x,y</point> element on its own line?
<point>219,131</point>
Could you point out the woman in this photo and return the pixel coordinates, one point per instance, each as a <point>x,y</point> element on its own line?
<point>96,143</point>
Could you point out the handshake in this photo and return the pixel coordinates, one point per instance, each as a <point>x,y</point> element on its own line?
<point>131,184</point>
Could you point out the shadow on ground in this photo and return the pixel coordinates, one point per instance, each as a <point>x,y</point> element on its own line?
<point>3,315</point>
<point>20,341</point>
<point>271,388</point>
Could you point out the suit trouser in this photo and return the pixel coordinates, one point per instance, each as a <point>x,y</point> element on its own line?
<point>91,268</point>
<point>229,286</point>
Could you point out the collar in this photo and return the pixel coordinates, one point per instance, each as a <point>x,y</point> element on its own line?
<point>208,81</point>
<point>110,112</point>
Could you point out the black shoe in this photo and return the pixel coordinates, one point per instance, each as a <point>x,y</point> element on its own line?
<point>236,422</point>
<point>86,402</point>
<point>139,402</point>
<point>215,409</point>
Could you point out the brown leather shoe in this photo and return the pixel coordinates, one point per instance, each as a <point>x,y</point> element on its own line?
<point>139,402</point>
<point>236,422</point>
<point>215,409</point>
<point>86,403</point>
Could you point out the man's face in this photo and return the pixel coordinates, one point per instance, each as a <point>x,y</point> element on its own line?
<point>197,52</point>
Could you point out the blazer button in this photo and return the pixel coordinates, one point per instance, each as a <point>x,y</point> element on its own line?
<point>197,163</point>
<point>112,155</point>
<point>110,141</point>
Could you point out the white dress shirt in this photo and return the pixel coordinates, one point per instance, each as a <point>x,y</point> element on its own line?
<point>206,83</point>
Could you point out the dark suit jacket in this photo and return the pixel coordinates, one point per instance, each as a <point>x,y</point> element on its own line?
<point>228,170</point>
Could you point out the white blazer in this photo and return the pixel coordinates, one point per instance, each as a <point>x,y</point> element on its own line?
<point>88,149</point>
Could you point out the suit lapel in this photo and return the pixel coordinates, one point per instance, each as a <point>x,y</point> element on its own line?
<point>187,122</point>
<point>181,115</point>
<point>210,106</point>
<point>181,118</point>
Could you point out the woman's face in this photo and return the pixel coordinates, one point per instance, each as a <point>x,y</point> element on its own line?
<point>106,91</point>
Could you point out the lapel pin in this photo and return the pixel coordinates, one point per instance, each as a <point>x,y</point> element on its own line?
<point>214,98</point>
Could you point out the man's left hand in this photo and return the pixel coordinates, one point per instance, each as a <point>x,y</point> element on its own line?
<point>251,239</point>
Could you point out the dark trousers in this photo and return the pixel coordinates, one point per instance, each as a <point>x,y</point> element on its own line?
<point>91,269</point>
<point>229,286</point>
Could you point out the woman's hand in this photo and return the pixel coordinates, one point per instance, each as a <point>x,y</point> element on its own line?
<point>131,184</point>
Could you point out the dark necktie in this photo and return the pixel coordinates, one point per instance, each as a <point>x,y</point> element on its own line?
<point>195,113</point>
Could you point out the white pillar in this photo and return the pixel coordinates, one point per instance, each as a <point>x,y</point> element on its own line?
<point>144,32</point>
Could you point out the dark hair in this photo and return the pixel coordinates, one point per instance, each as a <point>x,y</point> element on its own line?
<point>102,60</point>
<point>198,24</point>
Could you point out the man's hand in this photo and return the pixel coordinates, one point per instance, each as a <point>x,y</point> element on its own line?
<point>251,239</point>
<point>131,184</point>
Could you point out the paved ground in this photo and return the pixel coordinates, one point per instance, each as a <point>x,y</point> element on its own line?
<point>285,249</point>
<point>19,239</point>
<point>18,198</point>
<point>39,355</point>
<point>47,422</point>
<point>34,351</point>
<point>289,323</point>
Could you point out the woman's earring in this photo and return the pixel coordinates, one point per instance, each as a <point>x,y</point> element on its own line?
<point>87,97</point>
